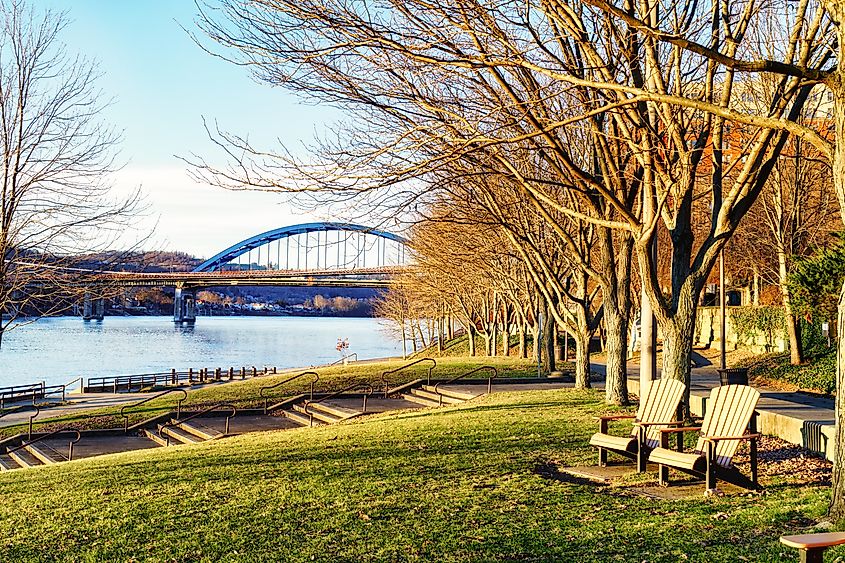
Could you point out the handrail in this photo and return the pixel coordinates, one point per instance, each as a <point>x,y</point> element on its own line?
<point>175,423</point>
<point>51,434</point>
<point>31,418</point>
<point>397,370</point>
<point>266,387</point>
<point>80,379</point>
<point>344,359</point>
<point>337,393</point>
<point>148,399</point>
<point>463,375</point>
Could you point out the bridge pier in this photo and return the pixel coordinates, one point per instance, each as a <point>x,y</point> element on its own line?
<point>184,305</point>
<point>93,308</point>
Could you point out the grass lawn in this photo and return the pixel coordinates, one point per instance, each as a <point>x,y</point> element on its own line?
<point>246,393</point>
<point>465,483</point>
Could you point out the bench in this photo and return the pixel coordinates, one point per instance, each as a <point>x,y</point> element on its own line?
<point>811,547</point>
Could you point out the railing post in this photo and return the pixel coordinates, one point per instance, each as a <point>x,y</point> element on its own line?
<point>254,371</point>
<point>243,372</point>
<point>173,376</point>
<point>217,373</point>
<point>274,370</point>
<point>190,376</point>
<point>231,373</point>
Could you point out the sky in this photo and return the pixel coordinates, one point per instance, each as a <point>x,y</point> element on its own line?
<point>162,85</point>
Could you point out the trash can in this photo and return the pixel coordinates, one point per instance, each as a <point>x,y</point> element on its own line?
<point>733,376</point>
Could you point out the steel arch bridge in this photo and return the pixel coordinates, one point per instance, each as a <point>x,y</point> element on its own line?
<point>347,250</point>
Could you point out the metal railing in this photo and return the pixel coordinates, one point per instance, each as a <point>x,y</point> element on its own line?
<point>117,383</point>
<point>406,366</point>
<point>344,359</point>
<point>33,392</point>
<point>288,380</point>
<point>80,380</point>
<point>147,400</point>
<point>176,423</point>
<point>463,375</point>
<point>31,418</point>
<point>50,435</point>
<point>367,393</point>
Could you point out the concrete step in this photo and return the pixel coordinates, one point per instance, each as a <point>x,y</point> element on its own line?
<point>46,454</point>
<point>420,400</point>
<point>300,419</point>
<point>341,413</point>
<point>179,436</point>
<point>200,430</point>
<point>153,435</point>
<point>318,414</point>
<point>7,463</point>
<point>463,395</point>
<point>24,458</point>
<point>431,395</point>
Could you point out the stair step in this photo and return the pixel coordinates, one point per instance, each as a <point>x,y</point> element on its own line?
<point>25,458</point>
<point>7,463</point>
<point>432,396</point>
<point>199,430</point>
<point>179,435</point>
<point>318,414</point>
<point>420,400</point>
<point>299,418</point>
<point>152,435</point>
<point>45,454</point>
<point>463,395</point>
<point>341,413</point>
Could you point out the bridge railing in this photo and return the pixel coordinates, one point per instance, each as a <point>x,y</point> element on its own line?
<point>173,378</point>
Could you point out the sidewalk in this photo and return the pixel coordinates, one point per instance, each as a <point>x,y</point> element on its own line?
<point>75,404</point>
<point>798,418</point>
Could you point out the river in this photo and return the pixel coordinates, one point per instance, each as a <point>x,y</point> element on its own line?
<point>56,350</point>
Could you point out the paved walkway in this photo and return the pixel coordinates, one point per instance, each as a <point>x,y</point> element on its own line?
<point>798,418</point>
<point>75,404</point>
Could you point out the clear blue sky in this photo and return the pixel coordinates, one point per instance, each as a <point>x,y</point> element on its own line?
<point>162,85</point>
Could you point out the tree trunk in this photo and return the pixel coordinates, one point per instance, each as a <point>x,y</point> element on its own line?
<point>506,342</point>
<point>582,360</point>
<point>616,381</point>
<point>837,499</point>
<point>523,351</point>
<point>549,342</point>
<point>796,353</point>
<point>471,338</point>
<point>678,333</point>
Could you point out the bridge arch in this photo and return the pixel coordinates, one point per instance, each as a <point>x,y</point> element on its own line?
<point>246,246</point>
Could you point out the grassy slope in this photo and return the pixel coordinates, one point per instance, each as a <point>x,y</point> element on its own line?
<point>452,484</point>
<point>246,393</point>
<point>817,375</point>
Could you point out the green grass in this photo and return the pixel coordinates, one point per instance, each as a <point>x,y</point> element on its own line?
<point>817,375</point>
<point>246,393</point>
<point>452,484</point>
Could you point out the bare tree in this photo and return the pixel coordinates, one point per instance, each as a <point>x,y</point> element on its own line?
<point>54,203</point>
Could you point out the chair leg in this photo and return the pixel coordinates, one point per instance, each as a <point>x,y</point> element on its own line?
<point>753,455</point>
<point>642,457</point>
<point>663,475</point>
<point>602,457</point>
<point>710,480</point>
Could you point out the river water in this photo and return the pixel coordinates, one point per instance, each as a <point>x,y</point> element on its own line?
<point>56,350</point>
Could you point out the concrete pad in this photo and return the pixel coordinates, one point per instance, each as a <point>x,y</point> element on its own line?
<point>90,446</point>
<point>601,474</point>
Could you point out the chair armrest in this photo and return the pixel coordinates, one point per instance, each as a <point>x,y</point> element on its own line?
<point>603,420</point>
<point>721,438</point>
<point>682,429</point>
<point>669,423</point>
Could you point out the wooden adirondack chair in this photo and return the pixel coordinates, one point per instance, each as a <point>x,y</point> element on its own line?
<point>658,409</point>
<point>730,411</point>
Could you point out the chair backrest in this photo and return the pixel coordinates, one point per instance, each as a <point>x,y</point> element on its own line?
<point>659,405</point>
<point>729,410</point>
